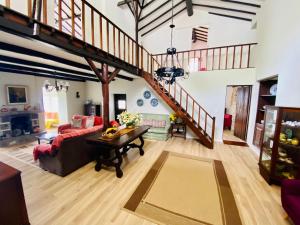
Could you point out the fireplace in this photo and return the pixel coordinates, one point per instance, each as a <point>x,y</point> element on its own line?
<point>21,125</point>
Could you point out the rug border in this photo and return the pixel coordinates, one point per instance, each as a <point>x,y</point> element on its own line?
<point>222,183</point>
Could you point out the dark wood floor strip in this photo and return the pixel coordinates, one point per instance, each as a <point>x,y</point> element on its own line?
<point>141,190</point>
<point>232,216</point>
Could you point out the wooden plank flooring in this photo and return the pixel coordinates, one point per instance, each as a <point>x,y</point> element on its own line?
<point>88,197</point>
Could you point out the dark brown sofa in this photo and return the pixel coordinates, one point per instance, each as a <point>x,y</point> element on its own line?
<point>71,154</point>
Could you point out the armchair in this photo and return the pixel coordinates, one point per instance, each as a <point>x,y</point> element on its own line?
<point>290,199</point>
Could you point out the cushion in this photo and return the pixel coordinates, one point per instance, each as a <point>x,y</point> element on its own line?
<point>159,123</point>
<point>89,122</point>
<point>70,130</point>
<point>76,123</point>
<point>148,122</point>
<point>98,120</point>
<point>41,149</point>
<point>114,123</point>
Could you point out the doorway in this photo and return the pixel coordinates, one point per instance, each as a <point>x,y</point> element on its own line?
<point>236,114</point>
<point>55,107</point>
<point>120,104</point>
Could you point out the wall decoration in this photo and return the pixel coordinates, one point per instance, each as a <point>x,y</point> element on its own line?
<point>140,102</point>
<point>154,102</point>
<point>16,94</point>
<point>147,94</point>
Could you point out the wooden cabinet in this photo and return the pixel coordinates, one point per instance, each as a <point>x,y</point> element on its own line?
<point>280,149</point>
<point>12,202</point>
<point>266,97</point>
<point>258,132</point>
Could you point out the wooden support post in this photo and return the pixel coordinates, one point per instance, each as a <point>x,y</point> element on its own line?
<point>105,79</point>
<point>105,94</point>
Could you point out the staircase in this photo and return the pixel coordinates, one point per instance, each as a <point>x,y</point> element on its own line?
<point>185,106</point>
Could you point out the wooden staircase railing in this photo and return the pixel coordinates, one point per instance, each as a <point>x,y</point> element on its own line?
<point>208,59</point>
<point>74,14</point>
<point>195,116</point>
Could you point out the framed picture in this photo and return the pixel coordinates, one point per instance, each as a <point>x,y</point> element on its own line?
<point>16,94</point>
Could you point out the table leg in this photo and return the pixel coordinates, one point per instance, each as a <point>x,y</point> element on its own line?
<point>39,141</point>
<point>118,164</point>
<point>141,145</point>
<point>98,165</point>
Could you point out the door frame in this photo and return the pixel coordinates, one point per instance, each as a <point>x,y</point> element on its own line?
<point>115,102</point>
<point>240,143</point>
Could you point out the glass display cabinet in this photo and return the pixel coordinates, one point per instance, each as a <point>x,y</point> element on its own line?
<point>280,150</point>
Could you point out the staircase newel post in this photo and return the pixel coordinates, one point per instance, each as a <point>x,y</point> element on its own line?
<point>36,15</point>
<point>151,65</point>
<point>213,132</point>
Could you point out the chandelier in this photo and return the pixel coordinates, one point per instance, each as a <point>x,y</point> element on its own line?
<point>58,85</point>
<point>170,73</point>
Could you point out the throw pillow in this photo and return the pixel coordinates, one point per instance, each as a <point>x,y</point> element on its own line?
<point>147,122</point>
<point>98,121</point>
<point>159,123</point>
<point>89,122</point>
<point>76,123</point>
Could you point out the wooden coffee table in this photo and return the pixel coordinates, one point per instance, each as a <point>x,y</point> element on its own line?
<point>49,137</point>
<point>110,151</point>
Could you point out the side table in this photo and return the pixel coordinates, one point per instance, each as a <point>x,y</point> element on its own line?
<point>178,130</point>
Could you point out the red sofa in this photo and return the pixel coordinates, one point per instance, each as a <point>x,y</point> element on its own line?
<point>290,199</point>
<point>69,150</point>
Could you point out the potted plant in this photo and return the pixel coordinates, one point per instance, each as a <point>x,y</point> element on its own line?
<point>173,117</point>
<point>129,119</point>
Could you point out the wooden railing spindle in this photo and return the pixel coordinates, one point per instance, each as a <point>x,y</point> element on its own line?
<point>83,21</point>
<point>29,8</point>
<point>241,57</point>
<point>249,55</point>
<point>45,15</point>
<point>59,15</point>
<point>101,32</point>
<point>233,58</point>
<point>93,27</point>
<point>73,17</point>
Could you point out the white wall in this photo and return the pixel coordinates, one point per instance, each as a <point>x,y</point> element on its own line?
<point>209,89</point>
<point>279,48</point>
<point>35,85</point>
<point>222,31</point>
<point>133,90</point>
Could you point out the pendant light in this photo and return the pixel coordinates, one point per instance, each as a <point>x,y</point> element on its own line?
<point>170,73</point>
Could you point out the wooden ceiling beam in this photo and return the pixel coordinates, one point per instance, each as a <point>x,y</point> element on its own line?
<point>161,15</point>
<point>225,8</point>
<point>189,7</point>
<point>201,31</point>
<point>232,17</point>
<point>242,3</point>
<point>149,3</point>
<point>180,11</point>
<point>153,11</point>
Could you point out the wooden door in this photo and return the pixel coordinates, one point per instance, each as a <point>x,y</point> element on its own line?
<point>242,112</point>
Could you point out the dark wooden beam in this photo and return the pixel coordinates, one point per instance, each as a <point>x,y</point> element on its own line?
<point>224,8</point>
<point>180,11</point>
<point>105,95</point>
<point>157,8</point>
<point>189,7</point>
<point>124,2</point>
<point>96,71</point>
<point>161,15</point>
<point>54,73</point>
<point>36,74</point>
<point>42,65</point>
<point>205,28</point>
<point>113,75</point>
<point>201,31</point>
<point>232,17</point>
<point>149,3</point>
<point>242,3</point>
<point>33,53</point>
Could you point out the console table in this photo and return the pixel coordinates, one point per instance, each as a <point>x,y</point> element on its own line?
<point>110,151</point>
<point>12,208</point>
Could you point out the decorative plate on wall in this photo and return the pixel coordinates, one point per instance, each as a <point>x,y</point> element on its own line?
<point>140,102</point>
<point>147,94</point>
<point>154,102</point>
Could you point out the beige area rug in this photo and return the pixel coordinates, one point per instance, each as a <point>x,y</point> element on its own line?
<point>185,190</point>
<point>22,153</point>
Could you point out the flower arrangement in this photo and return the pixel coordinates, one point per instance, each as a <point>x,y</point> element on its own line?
<point>173,117</point>
<point>130,119</point>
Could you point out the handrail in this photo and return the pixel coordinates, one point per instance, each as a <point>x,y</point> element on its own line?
<point>215,58</point>
<point>202,49</point>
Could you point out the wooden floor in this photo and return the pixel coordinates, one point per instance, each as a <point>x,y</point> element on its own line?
<point>88,197</point>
